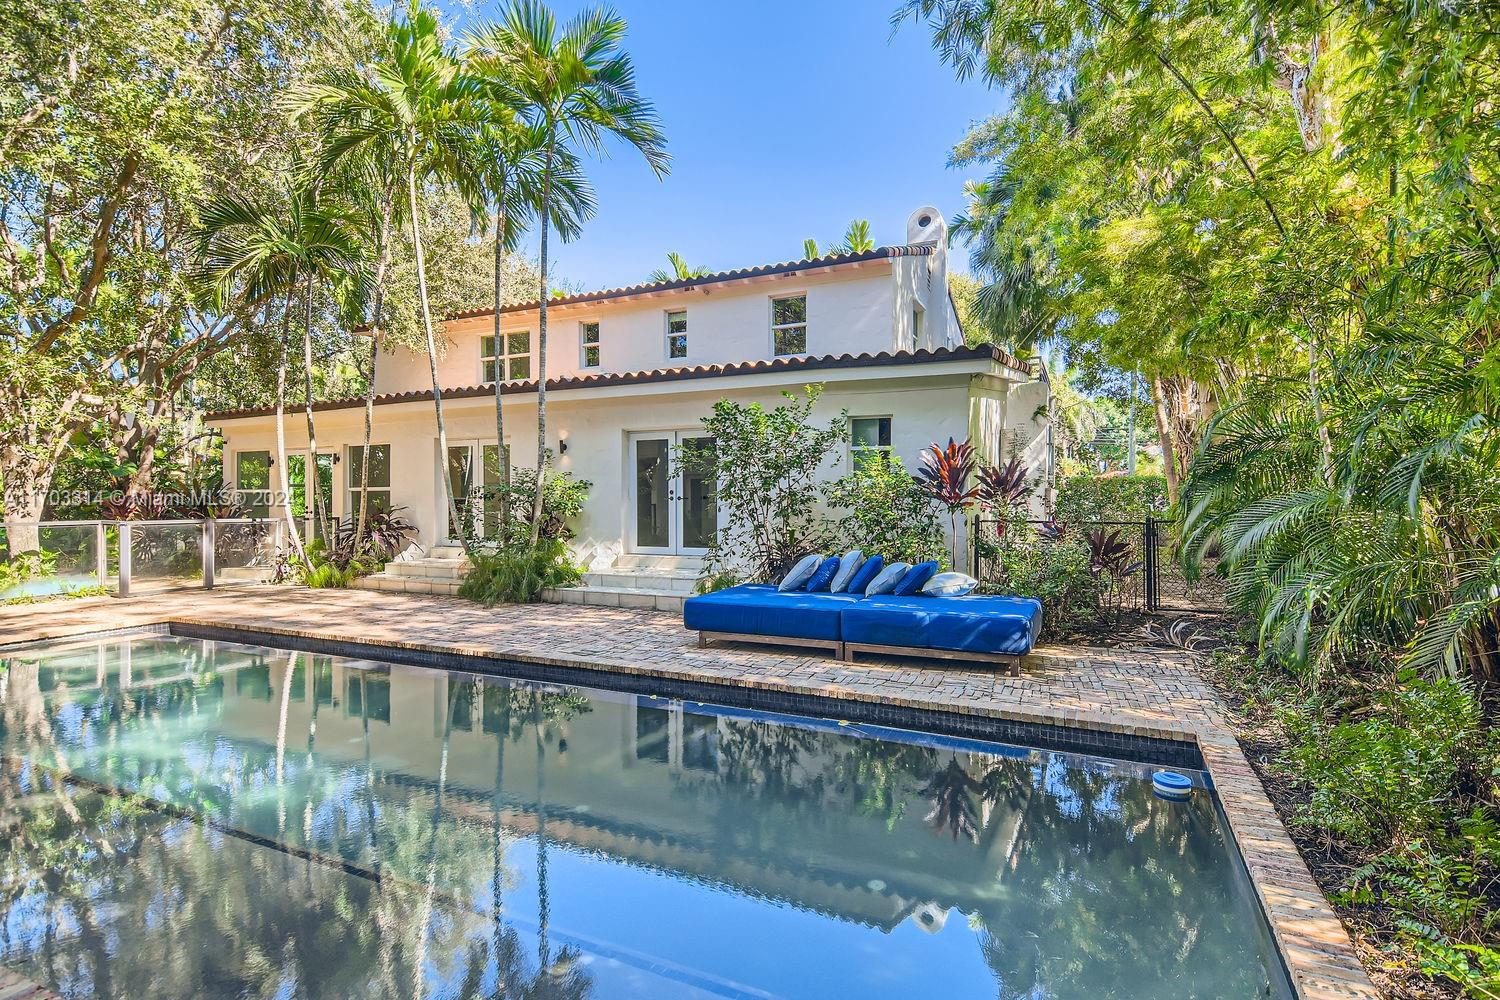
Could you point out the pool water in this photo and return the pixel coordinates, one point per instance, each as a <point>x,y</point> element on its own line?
<point>187,818</point>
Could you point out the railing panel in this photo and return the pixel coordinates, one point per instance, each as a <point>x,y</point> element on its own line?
<point>245,551</point>
<point>165,555</point>
<point>50,558</point>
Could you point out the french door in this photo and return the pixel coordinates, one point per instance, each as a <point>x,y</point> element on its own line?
<point>472,479</point>
<point>673,507</point>
<point>301,500</point>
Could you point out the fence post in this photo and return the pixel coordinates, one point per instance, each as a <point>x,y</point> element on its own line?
<point>1151,558</point>
<point>974,547</point>
<point>101,553</point>
<point>122,588</point>
<point>208,553</point>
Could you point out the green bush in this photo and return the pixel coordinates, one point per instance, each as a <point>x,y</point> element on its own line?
<point>888,513</point>
<point>1060,574</point>
<point>24,567</point>
<point>1110,498</point>
<point>518,574</point>
<point>563,498</point>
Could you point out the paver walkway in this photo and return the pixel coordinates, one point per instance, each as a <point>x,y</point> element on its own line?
<point>1146,692</point>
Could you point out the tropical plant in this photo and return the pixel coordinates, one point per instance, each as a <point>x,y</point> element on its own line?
<point>1002,486</point>
<point>578,89</point>
<point>766,466</point>
<point>947,474</point>
<point>888,512</point>
<point>680,271</point>
<point>385,533</point>
<point>518,574</point>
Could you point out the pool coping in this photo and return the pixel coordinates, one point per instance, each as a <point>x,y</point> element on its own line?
<point>1311,942</point>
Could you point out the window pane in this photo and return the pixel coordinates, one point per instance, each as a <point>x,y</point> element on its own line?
<point>254,471</point>
<point>792,310</point>
<point>518,343</point>
<point>677,346</point>
<point>870,432</point>
<point>380,465</point>
<point>792,340</point>
<point>591,357</point>
<point>591,333</point>
<point>489,371</point>
<point>487,346</point>
<point>520,368</point>
<point>677,322</point>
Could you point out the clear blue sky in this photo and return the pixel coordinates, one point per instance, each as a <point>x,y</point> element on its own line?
<point>785,120</point>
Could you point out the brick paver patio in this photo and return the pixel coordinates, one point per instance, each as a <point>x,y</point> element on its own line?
<point>1146,692</point>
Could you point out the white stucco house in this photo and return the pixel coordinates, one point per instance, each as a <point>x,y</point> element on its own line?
<point>631,372</point>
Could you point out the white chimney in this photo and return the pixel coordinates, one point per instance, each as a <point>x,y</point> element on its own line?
<point>926,225</point>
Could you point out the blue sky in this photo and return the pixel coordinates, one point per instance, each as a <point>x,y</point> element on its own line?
<point>785,120</point>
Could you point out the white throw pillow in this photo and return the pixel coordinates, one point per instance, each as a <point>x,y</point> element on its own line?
<point>800,573</point>
<point>950,585</point>
<point>849,564</point>
<point>886,581</point>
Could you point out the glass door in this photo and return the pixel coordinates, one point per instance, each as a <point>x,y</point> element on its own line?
<point>301,501</point>
<point>473,480</point>
<point>673,509</point>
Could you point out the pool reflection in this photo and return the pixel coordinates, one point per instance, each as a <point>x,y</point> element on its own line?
<point>187,818</point>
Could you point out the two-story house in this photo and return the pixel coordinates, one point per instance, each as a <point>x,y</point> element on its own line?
<point>631,372</point>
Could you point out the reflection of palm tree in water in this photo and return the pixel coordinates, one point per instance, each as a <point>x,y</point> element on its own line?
<point>951,792</point>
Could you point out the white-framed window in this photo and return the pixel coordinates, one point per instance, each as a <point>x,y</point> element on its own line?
<point>588,344</point>
<point>789,325</point>
<point>677,334</point>
<point>510,355</point>
<point>380,478</point>
<point>869,440</point>
<point>252,482</point>
<point>916,326</point>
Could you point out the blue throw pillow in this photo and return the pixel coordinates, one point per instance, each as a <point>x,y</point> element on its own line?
<point>798,574</point>
<point>915,578</point>
<point>950,585</point>
<point>888,578</point>
<point>847,567</point>
<point>821,579</point>
<point>868,570</point>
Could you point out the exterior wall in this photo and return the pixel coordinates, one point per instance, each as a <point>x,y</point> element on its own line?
<point>596,425</point>
<point>848,312</point>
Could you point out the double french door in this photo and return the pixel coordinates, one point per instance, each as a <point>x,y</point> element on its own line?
<point>673,508</point>
<point>472,478</point>
<point>302,499</point>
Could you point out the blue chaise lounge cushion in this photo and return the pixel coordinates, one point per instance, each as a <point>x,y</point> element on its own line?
<point>760,609</point>
<point>868,570</point>
<point>973,624</point>
<point>822,579</point>
<point>887,579</point>
<point>916,578</point>
<point>848,566</point>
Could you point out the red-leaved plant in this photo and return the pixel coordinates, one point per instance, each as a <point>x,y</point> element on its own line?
<point>947,475</point>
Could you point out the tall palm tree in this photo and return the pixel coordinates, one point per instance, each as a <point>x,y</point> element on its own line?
<point>273,250</point>
<point>414,101</point>
<point>578,88</point>
<point>680,270</point>
<point>856,240</point>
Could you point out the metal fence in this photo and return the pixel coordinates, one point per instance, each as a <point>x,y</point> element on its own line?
<point>45,558</point>
<point>1146,563</point>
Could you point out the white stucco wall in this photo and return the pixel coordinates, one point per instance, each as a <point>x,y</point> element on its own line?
<point>848,312</point>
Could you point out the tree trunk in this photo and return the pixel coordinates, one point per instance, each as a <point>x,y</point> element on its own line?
<point>1164,437</point>
<point>541,366</point>
<point>364,455</point>
<point>501,455</point>
<point>312,478</point>
<point>437,392</point>
<point>286,489</point>
<point>25,482</point>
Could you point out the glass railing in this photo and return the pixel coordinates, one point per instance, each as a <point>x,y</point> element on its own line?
<point>49,558</point>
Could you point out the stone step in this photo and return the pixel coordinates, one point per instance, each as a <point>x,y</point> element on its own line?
<point>630,562</point>
<point>446,552</point>
<point>674,581</point>
<point>407,584</point>
<point>620,597</point>
<point>429,569</point>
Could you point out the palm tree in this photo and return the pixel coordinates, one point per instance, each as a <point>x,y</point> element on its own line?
<point>578,89</point>
<point>680,270</point>
<point>414,105</point>
<point>272,250</point>
<point>856,240</point>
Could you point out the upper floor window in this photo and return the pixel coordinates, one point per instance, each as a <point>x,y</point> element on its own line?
<point>677,334</point>
<point>789,325</point>
<point>588,345</point>
<point>916,326</point>
<point>510,355</point>
<point>869,440</point>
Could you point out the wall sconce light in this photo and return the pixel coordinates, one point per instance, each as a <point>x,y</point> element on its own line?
<point>335,458</point>
<point>562,446</point>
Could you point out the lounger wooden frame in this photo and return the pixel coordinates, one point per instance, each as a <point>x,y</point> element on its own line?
<point>847,650</point>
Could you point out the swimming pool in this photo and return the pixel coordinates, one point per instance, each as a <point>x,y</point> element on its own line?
<point>197,818</point>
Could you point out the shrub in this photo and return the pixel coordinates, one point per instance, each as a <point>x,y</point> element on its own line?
<point>1110,498</point>
<point>888,513</point>
<point>24,567</point>
<point>563,498</point>
<point>517,574</point>
<point>1060,573</point>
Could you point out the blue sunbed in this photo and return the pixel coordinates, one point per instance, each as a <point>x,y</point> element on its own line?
<point>974,628</point>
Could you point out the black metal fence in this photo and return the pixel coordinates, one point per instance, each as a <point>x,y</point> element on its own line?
<point>1141,556</point>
